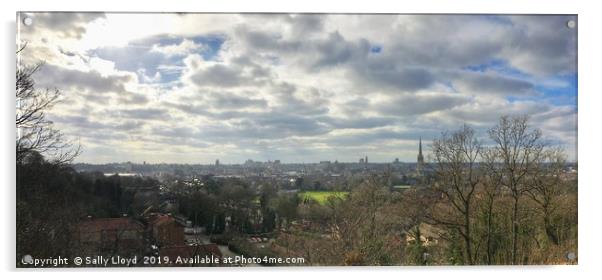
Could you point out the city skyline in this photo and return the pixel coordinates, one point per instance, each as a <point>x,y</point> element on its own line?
<point>193,88</point>
<point>217,161</point>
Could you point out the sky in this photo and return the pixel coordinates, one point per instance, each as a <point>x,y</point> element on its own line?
<point>193,88</point>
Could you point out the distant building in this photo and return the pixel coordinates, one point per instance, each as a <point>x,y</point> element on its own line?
<point>361,160</point>
<point>217,162</point>
<point>366,160</point>
<point>396,160</point>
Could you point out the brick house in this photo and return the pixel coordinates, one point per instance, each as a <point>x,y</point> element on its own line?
<point>111,235</point>
<point>166,230</point>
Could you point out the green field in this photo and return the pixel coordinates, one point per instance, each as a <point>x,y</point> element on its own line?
<point>321,196</point>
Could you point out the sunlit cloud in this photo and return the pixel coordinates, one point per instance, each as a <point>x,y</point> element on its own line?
<point>192,88</point>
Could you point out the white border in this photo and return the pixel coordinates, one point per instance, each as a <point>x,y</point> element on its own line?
<point>589,130</point>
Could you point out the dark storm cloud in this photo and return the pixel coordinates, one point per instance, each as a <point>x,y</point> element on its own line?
<point>65,24</point>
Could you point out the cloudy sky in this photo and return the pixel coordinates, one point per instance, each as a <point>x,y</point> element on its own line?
<point>192,88</point>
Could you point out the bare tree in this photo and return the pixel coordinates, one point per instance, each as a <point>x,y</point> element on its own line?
<point>545,188</point>
<point>35,133</point>
<point>457,156</point>
<point>491,190</point>
<point>518,150</point>
<point>360,226</point>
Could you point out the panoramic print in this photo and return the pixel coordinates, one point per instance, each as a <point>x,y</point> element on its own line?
<point>191,139</point>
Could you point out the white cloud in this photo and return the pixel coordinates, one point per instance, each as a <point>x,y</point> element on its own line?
<point>296,87</point>
<point>184,48</point>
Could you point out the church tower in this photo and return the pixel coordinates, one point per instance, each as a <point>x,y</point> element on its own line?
<point>420,160</point>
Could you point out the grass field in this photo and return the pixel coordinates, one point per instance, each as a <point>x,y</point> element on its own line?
<point>321,196</point>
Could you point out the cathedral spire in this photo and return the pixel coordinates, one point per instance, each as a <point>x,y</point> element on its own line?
<point>420,159</point>
<point>420,147</point>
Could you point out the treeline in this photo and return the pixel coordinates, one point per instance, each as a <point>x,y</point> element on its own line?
<point>510,202</point>
<point>250,210</point>
<point>52,198</point>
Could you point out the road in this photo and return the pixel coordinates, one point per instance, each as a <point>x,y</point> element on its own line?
<point>204,239</point>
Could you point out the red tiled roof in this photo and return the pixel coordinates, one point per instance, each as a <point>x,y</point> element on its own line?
<point>162,220</point>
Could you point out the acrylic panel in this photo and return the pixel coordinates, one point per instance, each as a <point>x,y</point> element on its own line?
<point>218,139</point>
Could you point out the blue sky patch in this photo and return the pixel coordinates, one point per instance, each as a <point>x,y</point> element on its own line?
<point>137,55</point>
<point>376,49</point>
